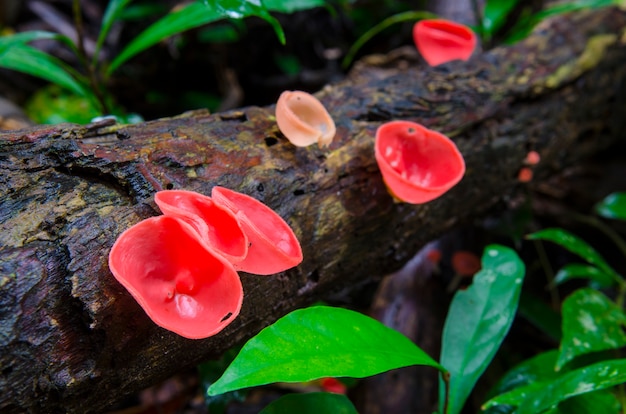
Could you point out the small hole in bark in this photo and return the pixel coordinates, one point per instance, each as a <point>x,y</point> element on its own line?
<point>298,192</point>
<point>234,116</point>
<point>169,186</point>
<point>260,188</point>
<point>314,276</point>
<point>270,141</point>
<point>7,371</point>
<point>227,316</point>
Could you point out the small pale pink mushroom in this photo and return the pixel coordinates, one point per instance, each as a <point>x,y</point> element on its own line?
<point>417,163</point>
<point>303,120</point>
<point>180,283</point>
<point>273,247</point>
<point>214,223</point>
<point>532,158</point>
<point>440,41</point>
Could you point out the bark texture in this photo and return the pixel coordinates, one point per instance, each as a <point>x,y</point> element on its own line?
<point>73,340</point>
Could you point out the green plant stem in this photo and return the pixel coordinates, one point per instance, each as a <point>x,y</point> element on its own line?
<point>396,18</point>
<point>615,238</point>
<point>479,15</point>
<point>82,55</point>
<point>545,263</point>
<point>446,383</point>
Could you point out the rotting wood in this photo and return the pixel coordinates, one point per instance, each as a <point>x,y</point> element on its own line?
<point>74,341</point>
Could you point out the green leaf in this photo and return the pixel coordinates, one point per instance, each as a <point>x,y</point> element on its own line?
<point>583,271</point>
<point>112,13</point>
<point>591,323</point>
<point>495,14</point>
<point>477,322</point>
<point>613,206</point>
<point>575,245</point>
<point>601,401</point>
<point>290,6</point>
<point>320,342</point>
<point>312,403</point>
<point>27,59</point>
<point>540,396</point>
<point>538,368</point>
<point>194,15</point>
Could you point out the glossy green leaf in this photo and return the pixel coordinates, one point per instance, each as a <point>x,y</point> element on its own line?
<point>112,13</point>
<point>613,206</point>
<point>194,15</point>
<point>24,58</point>
<point>320,342</point>
<point>575,245</point>
<point>495,14</point>
<point>591,323</point>
<point>583,271</point>
<point>290,6</point>
<point>477,322</point>
<point>538,368</point>
<point>540,396</point>
<point>312,403</point>
<point>596,402</point>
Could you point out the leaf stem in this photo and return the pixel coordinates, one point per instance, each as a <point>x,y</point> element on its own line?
<point>446,399</point>
<point>82,56</point>
<point>396,18</point>
<point>549,272</point>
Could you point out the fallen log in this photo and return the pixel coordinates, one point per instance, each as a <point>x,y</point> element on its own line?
<point>73,340</point>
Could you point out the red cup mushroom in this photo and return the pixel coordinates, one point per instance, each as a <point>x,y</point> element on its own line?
<point>272,245</point>
<point>214,223</point>
<point>417,163</point>
<point>303,120</point>
<point>181,284</point>
<point>465,265</point>
<point>440,41</point>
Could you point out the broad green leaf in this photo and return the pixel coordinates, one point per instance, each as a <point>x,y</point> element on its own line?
<point>538,368</point>
<point>583,271</point>
<point>477,322</point>
<point>575,245</point>
<point>495,14</point>
<point>540,396</point>
<point>312,403</point>
<point>602,401</point>
<point>112,13</point>
<point>194,15</point>
<point>290,6</point>
<point>591,323</point>
<point>320,342</point>
<point>537,312</point>
<point>27,59</point>
<point>613,206</point>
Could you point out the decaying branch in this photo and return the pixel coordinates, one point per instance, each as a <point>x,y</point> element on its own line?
<point>74,340</point>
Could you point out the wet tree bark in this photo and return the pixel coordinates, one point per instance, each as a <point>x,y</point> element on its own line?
<point>74,340</point>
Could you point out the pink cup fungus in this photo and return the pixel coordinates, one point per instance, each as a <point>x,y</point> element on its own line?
<point>417,164</point>
<point>532,158</point>
<point>181,284</point>
<point>440,41</point>
<point>273,247</point>
<point>303,120</point>
<point>525,175</point>
<point>216,224</point>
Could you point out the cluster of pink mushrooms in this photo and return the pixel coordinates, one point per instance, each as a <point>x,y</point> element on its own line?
<point>417,164</point>
<point>181,267</point>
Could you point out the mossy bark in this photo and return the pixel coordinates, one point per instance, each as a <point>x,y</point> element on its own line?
<point>74,340</point>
